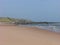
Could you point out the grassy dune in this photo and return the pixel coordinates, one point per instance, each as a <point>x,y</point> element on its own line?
<point>17,21</point>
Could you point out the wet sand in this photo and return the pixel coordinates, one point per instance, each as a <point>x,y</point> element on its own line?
<point>22,35</point>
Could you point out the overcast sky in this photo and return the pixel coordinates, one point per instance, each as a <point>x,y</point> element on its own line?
<point>37,10</point>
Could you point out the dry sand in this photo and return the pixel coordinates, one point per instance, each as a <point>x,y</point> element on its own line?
<point>15,35</point>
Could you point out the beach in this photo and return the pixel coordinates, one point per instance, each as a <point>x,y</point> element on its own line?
<point>24,35</point>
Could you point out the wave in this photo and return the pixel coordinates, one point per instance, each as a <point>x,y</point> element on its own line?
<point>50,28</point>
<point>54,27</point>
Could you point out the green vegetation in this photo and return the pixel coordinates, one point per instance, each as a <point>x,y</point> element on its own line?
<point>4,19</point>
<point>15,21</point>
<point>19,21</point>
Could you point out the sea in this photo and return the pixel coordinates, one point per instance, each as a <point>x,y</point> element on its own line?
<point>54,27</point>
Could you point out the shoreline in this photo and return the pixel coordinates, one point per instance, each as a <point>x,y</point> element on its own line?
<point>28,27</point>
<point>41,28</point>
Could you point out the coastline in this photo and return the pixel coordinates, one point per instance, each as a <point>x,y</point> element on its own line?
<point>23,35</point>
<point>43,28</point>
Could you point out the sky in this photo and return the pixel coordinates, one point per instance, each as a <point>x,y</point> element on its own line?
<point>36,10</point>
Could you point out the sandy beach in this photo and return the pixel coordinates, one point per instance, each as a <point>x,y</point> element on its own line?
<point>22,35</point>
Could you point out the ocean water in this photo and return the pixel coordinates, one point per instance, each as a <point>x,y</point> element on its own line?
<point>54,27</point>
<point>51,27</point>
